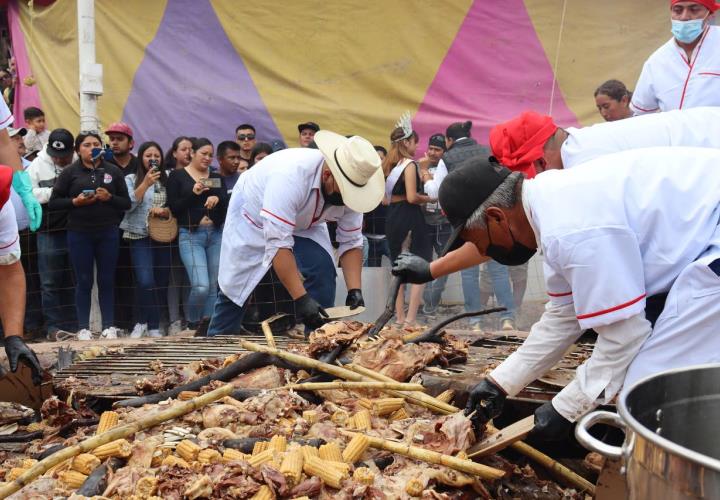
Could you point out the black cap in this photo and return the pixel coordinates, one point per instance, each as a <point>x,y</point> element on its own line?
<point>466,188</point>
<point>437,140</point>
<point>277,145</point>
<point>458,130</point>
<point>311,125</point>
<point>60,143</point>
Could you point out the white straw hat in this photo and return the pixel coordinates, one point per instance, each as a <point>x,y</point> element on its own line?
<point>355,165</point>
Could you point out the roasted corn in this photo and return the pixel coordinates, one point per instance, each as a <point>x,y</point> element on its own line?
<point>292,465</point>
<point>146,486</point>
<point>446,396</point>
<point>231,455</point>
<point>363,475</point>
<point>261,458</point>
<point>118,448</point>
<point>400,414</point>
<point>363,421</point>
<point>317,467</point>
<point>15,473</point>
<point>173,461</point>
<point>264,493</point>
<point>414,487</point>
<point>331,452</point>
<point>72,478</point>
<point>85,463</point>
<point>309,451</point>
<point>311,416</point>
<point>187,450</point>
<point>278,443</point>
<point>260,446</point>
<point>355,448</point>
<point>108,420</point>
<point>386,406</point>
<point>209,456</point>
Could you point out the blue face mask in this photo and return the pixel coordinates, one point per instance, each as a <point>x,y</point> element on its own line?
<point>687,31</point>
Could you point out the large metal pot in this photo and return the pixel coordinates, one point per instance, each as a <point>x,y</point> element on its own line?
<point>672,435</point>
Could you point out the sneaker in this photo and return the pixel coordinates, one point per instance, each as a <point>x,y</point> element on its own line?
<point>175,328</point>
<point>507,324</point>
<point>154,333</point>
<point>84,334</point>
<point>109,333</point>
<point>139,331</point>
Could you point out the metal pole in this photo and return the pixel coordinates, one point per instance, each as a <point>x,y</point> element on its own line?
<point>90,71</point>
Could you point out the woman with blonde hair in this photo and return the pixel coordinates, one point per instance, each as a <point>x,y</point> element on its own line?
<point>404,215</point>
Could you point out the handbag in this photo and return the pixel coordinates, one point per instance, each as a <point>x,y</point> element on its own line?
<point>162,230</point>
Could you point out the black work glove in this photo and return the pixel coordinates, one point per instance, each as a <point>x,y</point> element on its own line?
<point>550,425</point>
<point>486,399</point>
<point>309,312</point>
<point>412,269</point>
<point>17,350</point>
<point>354,299</point>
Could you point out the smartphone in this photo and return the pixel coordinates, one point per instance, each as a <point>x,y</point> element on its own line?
<point>211,182</point>
<point>87,193</point>
<point>154,166</point>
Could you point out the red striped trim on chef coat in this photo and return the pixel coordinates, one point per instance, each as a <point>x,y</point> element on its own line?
<point>10,244</point>
<point>278,217</point>
<point>564,294</point>
<point>612,309</point>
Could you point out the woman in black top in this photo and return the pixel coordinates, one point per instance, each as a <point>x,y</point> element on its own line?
<point>95,195</point>
<point>404,214</point>
<point>198,198</point>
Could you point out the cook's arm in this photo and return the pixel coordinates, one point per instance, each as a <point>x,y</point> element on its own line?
<point>457,260</point>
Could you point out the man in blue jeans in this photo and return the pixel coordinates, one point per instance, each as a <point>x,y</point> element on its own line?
<point>276,220</point>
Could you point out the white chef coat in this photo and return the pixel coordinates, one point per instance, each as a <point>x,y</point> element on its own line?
<point>617,229</point>
<point>432,187</point>
<point>695,127</point>
<point>670,81</point>
<point>273,201</point>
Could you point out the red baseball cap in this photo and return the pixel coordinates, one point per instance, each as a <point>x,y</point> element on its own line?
<point>120,128</point>
<point>517,143</point>
<point>708,4</point>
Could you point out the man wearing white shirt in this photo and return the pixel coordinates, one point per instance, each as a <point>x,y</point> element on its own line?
<point>625,227</point>
<point>276,219</point>
<point>685,71</point>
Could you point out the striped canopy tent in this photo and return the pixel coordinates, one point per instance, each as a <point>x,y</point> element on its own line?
<point>201,67</point>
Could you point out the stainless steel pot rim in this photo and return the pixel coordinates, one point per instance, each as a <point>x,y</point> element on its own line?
<point>638,428</point>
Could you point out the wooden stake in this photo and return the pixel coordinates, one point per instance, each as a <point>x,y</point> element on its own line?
<point>120,432</point>
<point>503,438</point>
<point>433,457</point>
<point>351,386</point>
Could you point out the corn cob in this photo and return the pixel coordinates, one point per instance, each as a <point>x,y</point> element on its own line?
<point>27,463</point>
<point>342,467</point>
<point>36,426</point>
<point>414,487</point>
<point>309,451</point>
<point>350,423</point>
<point>292,466</point>
<point>339,417</point>
<point>72,478</point>
<point>231,455</point>
<point>319,468</point>
<point>209,456</point>
<point>146,486</point>
<point>363,475</point>
<point>362,420</point>
<point>355,448</point>
<point>264,493</point>
<point>15,473</point>
<point>187,395</point>
<point>400,414</point>
<point>117,448</point>
<point>260,446</point>
<point>108,420</point>
<point>446,396</point>
<point>85,463</point>
<point>173,461</point>
<point>278,443</point>
<point>330,451</point>
<point>261,458</point>
<point>301,498</point>
<point>386,406</point>
<point>311,416</point>
<point>365,403</point>
<point>187,450</point>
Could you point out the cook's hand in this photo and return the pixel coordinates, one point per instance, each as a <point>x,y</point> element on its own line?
<point>163,213</point>
<point>309,312</point>
<point>102,194</point>
<point>486,399</point>
<point>151,177</point>
<point>81,200</point>
<point>550,425</point>
<point>199,188</point>
<point>211,202</point>
<point>354,299</point>
<point>412,269</point>
<point>17,351</point>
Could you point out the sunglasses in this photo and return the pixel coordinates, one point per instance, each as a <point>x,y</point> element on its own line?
<point>246,137</point>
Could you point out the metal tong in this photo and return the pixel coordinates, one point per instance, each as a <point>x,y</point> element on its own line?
<point>389,308</point>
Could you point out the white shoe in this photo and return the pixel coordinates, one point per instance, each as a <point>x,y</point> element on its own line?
<point>507,324</point>
<point>139,331</point>
<point>153,333</point>
<point>109,333</point>
<point>84,334</point>
<point>175,328</point>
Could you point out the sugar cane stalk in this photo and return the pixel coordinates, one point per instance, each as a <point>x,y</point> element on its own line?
<point>433,457</point>
<point>120,432</point>
<point>351,386</point>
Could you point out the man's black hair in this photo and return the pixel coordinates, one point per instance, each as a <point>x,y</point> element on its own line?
<point>224,146</point>
<point>245,125</point>
<point>458,130</point>
<point>32,112</point>
<point>380,148</point>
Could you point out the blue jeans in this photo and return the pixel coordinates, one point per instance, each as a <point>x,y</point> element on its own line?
<point>200,254</point>
<point>501,286</point>
<point>376,249</point>
<point>99,248</point>
<point>151,266</point>
<point>439,236</point>
<point>58,303</point>
<point>227,317</point>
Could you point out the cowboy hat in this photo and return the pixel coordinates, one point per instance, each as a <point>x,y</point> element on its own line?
<point>355,165</point>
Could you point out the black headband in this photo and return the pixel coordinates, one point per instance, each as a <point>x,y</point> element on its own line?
<point>343,172</point>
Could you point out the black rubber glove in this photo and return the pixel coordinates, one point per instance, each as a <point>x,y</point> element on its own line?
<point>412,269</point>
<point>17,350</point>
<point>486,399</point>
<point>354,299</point>
<point>309,312</point>
<point>550,425</point>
